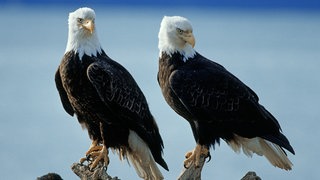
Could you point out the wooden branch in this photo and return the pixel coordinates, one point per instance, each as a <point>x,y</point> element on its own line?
<point>83,171</point>
<point>193,172</point>
<point>50,176</point>
<point>251,176</point>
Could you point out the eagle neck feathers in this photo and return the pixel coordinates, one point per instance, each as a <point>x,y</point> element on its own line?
<point>82,45</point>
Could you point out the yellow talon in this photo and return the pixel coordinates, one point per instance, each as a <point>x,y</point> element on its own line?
<point>82,160</point>
<point>93,147</point>
<point>194,156</point>
<point>100,156</point>
<point>188,154</point>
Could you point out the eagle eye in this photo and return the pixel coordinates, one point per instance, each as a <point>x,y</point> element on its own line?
<point>80,20</point>
<point>180,31</point>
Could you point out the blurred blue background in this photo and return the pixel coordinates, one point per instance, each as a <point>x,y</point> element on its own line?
<point>273,46</point>
<point>296,4</point>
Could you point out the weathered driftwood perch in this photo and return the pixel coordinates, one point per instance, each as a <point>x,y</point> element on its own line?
<point>193,172</point>
<point>251,176</point>
<point>98,173</point>
<point>50,176</point>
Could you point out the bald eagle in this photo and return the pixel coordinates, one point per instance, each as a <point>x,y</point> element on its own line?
<point>107,101</point>
<point>215,102</point>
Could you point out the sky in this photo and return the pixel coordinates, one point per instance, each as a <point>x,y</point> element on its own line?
<point>291,4</point>
<point>274,51</point>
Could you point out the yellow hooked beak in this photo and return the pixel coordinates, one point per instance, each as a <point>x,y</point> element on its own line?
<point>88,25</point>
<point>189,38</point>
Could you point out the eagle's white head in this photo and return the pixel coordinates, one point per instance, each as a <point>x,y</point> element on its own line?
<point>82,36</point>
<point>176,35</point>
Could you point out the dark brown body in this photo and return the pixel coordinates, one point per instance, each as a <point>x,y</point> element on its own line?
<point>107,101</point>
<point>215,103</point>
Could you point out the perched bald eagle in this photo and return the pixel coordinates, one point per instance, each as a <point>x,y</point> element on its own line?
<point>107,101</point>
<point>215,102</point>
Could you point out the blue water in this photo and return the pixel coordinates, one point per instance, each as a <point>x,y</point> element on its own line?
<point>276,53</point>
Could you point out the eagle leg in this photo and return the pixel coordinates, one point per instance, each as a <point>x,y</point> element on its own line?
<point>93,147</point>
<point>194,156</point>
<point>98,156</point>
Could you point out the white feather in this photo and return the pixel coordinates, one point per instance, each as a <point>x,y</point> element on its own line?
<point>78,40</point>
<point>169,42</point>
<point>262,147</point>
<point>141,158</point>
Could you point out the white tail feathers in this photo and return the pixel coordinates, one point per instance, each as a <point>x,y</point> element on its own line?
<point>262,147</point>
<point>141,158</point>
